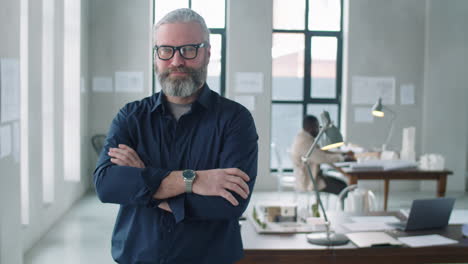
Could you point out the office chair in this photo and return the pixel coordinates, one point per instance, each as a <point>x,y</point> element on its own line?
<point>98,142</point>
<point>284,180</point>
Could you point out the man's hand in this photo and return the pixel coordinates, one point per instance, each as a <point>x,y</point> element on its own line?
<point>125,156</point>
<point>217,182</point>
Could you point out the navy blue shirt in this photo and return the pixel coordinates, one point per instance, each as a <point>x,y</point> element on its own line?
<point>215,133</point>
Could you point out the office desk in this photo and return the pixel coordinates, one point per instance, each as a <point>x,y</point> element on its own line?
<point>413,174</point>
<point>294,248</point>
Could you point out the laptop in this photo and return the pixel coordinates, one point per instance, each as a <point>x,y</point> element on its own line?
<point>427,214</point>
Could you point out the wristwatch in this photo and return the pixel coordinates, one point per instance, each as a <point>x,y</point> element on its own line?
<point>188,176</point>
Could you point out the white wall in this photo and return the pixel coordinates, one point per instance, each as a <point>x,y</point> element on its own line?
<point>249,50</point>
<point>385,39</point>
<point>10,224</point>
<point>14,238</point>
<point>446,87</point>
<point>120,40</point>
<point>420,42</point>
<point>66,193</point>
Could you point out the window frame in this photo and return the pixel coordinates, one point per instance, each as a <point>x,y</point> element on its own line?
<point>307,82</point>
<point>217,31</point>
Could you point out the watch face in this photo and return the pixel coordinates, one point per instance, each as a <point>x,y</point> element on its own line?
<point>188,174</point>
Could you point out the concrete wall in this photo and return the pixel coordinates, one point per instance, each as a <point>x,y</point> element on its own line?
<point>445,128</point>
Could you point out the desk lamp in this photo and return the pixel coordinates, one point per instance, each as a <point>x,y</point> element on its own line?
<point>332,139</point>
<point>378,111</point>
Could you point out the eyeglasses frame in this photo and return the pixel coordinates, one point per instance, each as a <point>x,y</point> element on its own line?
<point>178,48</point>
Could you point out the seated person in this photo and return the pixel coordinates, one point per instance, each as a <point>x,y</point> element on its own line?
<point>301,145</point>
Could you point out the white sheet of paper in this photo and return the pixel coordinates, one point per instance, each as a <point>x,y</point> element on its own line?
<point>407,94</point>
<point>366,90</point>
<point>427,240</point>
<point>374,219</point>
<point>249,82</point>
<point>16,142</point>
<point>368,239</point>
<point>459,216</point>
<point>129,82</point>
<point>246,100</point>
<point>5,141</point>
<point>10,89</point>
<point>367,226</point>
<point>102,85</point>
<point>363,115</point>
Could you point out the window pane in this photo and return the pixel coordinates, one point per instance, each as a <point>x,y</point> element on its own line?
<point>286,123</point>
<point>288,66</point>
<point>287,15</point>
<point>162,7</point>
<point>212,11</point>
<point>24,111</point>
<point>214,67</point>
<point>71,92</point>
<point>48,98</point>
<point>317,109</point>
<point>324,15</point>
<point>323,68</point>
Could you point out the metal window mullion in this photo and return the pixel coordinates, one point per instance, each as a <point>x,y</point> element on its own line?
<point>223,65</point>
<point>307,72</point>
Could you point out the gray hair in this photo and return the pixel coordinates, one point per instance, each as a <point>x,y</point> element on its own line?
<point>183,15</point>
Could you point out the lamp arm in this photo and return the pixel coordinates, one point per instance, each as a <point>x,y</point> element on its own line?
<point>392,124</point>
<point>305,161</point>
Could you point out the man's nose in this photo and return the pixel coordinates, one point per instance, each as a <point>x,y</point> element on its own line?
<point>177,60</point>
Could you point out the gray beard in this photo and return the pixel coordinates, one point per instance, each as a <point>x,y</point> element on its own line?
<point>182,87</point>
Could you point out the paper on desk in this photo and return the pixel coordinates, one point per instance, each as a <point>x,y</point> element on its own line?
<point>370,239</point>
<point>367,226</point>
<point>375,219</point>
<point>427,241</point>
<point>459,216</point>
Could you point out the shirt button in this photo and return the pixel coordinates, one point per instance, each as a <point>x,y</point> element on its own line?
<point>169,230</point>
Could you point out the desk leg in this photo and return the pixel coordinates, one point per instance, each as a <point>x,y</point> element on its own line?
<point>386,185</point>
<point>352,180</point>
<point>441,185</point>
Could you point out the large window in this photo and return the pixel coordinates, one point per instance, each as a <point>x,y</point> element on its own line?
<point>307,62</point>
<point>214,13</point>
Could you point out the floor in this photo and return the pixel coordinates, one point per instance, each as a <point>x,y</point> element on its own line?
<point>83,235</point>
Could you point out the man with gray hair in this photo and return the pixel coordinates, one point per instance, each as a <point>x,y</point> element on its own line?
<point>181,163</point>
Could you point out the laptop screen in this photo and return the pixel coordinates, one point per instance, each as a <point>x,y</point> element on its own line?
<point>430,213</point>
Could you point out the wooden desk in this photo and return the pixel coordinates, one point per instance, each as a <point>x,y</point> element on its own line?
<point>414,174</point>
<point>294,248</point>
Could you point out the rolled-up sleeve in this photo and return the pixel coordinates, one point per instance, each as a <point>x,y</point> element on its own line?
<point>240,151</point>
<point>123,184</point>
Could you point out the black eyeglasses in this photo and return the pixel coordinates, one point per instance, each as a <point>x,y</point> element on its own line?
<point>188,52</point>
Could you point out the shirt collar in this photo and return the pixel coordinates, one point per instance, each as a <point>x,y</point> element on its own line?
<point>204,99</point>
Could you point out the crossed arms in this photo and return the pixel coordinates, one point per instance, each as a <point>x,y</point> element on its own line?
<point>122,177</point>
